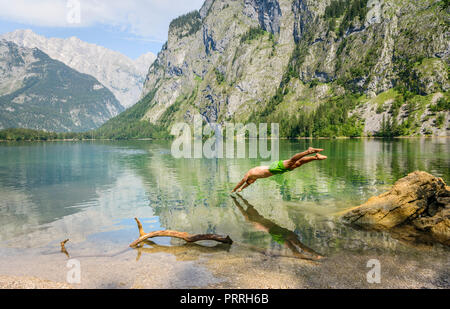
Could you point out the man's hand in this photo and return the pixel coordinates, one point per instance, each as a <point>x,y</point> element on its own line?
<point>240,184</point>
<point>249,182</point>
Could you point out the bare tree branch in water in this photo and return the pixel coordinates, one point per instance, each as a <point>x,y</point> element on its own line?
<point>63,247</point>
<point>182,235</point>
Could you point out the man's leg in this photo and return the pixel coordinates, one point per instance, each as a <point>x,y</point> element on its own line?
<point>308,159</point>
<point>292,161</point>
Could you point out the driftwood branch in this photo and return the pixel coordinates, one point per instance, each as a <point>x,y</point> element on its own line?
<point>182,235</point>
<point>63,247</point>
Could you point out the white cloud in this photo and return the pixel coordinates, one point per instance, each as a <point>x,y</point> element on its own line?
<point>145,18</point>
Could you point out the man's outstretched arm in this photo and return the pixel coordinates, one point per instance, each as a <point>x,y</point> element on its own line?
<point>240,184</point>
<point>245,186</point>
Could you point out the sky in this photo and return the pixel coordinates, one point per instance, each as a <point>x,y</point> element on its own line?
<point>132,27</point>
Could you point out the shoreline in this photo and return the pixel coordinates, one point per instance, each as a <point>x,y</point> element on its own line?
<point>30,282</point>
<point>345,269</point>
<point>281,138</point>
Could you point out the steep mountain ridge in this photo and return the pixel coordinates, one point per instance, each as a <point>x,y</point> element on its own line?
<point>38,92</point>
<point>319,68</point>
<point>123,76</point>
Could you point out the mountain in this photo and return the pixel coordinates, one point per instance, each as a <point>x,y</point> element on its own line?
<point>38,92</point>
<point>317,67</point>
<point>123,76</point>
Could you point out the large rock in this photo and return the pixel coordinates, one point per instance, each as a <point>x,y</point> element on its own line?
<point>418,204</point>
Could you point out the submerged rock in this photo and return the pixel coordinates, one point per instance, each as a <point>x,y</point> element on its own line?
<point>417,206</point>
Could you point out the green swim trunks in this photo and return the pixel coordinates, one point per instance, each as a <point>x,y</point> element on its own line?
<point>277,167</point>
<point>278,234</point>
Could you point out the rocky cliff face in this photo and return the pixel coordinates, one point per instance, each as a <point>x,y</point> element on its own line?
<point>123,76</point>
<point>376,66</point>
<point>222,73</point>
<point>38,92</point>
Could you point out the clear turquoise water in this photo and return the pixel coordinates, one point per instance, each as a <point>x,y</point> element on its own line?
<point>91,191</point>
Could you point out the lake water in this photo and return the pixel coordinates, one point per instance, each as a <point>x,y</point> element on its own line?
<point>90,192</point>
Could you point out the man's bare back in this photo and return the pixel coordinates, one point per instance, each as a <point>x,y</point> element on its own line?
<point>278,167</point>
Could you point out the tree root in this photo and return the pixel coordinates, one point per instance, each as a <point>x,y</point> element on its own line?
<point>182,235</point>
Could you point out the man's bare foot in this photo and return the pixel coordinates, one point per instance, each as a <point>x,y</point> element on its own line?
<point>320,157</point>
<point>314,150</point>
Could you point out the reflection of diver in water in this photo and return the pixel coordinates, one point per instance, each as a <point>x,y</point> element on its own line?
<point>279,234</point>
